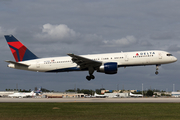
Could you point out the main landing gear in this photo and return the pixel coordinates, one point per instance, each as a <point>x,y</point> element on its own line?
<point>157,68</point>
<point>91,76</point>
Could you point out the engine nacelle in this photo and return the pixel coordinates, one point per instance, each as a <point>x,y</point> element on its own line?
<point>108,68</point>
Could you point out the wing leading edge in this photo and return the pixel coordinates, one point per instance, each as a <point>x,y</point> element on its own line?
<point>84,62</point>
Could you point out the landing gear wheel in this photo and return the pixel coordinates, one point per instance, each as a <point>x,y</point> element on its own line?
<point>88,78</point>
<point>157,68</point>
<point>92,76</point>
<point>156,72</point>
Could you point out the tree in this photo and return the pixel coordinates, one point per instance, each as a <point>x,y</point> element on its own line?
<point>44,90</point>
<point>78,90</point>
<point>70,90</point>
<point>98,91</point>
<point>85,91</point>
<point>149,93</point>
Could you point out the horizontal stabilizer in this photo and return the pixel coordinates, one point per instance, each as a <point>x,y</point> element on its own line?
<point>16,63</point>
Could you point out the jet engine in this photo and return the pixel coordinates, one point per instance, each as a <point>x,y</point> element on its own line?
<point>108,68</point>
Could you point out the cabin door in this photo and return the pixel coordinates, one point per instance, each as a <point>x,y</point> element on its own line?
<point>126,57</point>
<point>37,64</point>
<point>160,55</point>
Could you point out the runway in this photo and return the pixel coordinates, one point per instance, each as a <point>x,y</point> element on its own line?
<point>94,100</point>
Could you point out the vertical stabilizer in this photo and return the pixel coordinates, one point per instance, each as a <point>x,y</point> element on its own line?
<point>19,51</point>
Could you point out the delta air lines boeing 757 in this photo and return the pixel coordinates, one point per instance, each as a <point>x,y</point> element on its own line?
<point>104,63</point>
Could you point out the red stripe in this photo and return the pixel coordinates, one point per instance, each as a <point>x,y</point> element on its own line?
<point>22,51</point>
<point>16,44</point>
<point>14,54</point>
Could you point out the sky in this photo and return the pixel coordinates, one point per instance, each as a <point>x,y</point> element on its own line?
<point>52,28</point>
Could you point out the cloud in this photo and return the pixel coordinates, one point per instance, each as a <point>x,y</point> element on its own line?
<point>174,48</point>
<point>62,33</point>
<point>56,32</point>
<point>128,40</point>
<point>90,27</point>
<point>5,0</point>
<point>162,35</point>
<point>146,43</point>
<point>65,39</point>
<point>6,31</point>
<point>67,35</point>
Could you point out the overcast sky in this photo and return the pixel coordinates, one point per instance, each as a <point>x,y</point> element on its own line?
<point>56,27</point>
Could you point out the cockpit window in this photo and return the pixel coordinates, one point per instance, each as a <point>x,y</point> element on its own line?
<point>169,55</point>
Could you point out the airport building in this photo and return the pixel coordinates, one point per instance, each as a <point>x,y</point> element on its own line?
<point>162,93</point>
<point>109,93</point>
<point>175,94</point>
<point>48,94</point>
<point>63,95</point>
<point>117,91</point>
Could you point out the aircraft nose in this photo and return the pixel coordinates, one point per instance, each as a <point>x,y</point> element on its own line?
<point>174,59</point>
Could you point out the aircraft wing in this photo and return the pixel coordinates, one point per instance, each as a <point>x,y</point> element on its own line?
<point>84,62</point>
<point>16,63</point>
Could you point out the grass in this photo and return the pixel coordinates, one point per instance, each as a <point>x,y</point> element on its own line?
<point>89,111</point>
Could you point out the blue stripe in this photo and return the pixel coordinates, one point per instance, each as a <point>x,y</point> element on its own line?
<point>29,55</point>
<point>65,69</point>
<point>10,38</point>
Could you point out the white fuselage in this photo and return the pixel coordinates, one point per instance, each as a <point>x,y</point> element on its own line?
<point>123,59</point>
<point>22,94</point>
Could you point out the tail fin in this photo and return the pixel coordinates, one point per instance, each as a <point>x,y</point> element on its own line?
<point>32,92</point>
<point>19,51</point>
<point>39,90</point>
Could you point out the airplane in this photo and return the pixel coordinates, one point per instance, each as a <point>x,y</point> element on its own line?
<point>104,63</point>
<point>136,95</point>
<point>22,95</point>
<point>99,96</point>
